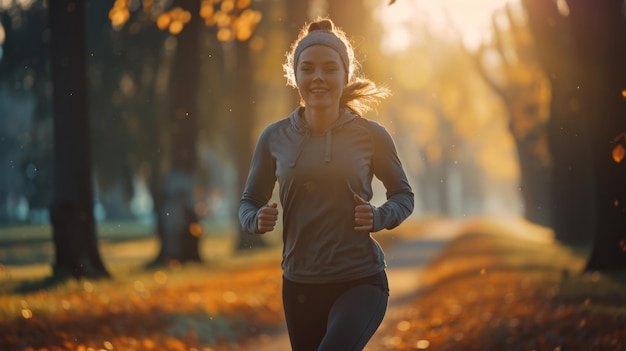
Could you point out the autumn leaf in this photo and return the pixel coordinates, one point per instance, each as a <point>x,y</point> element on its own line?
<point>618,153</point>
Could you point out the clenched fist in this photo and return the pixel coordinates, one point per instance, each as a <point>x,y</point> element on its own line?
<point>266,220</point>
<point>363,215</point>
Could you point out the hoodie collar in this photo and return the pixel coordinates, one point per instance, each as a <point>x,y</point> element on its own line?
<point>300,125</point>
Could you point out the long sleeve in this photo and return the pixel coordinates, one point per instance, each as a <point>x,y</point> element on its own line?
<point>388,168</point>
<point>259,185</point>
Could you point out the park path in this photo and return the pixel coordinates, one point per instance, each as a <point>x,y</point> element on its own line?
<point>405,263</point>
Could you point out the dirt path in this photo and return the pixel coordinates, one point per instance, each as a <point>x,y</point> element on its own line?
<point>405,263</point>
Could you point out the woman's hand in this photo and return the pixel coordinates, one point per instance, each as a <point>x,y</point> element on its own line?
<point>266,220</point>
<point>363,214</point>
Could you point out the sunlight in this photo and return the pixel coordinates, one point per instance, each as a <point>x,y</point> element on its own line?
<point>563,8</point>
<point>22,4</point>
<point>2,34</point>
<point>472,19</point>
<point>2,38</point>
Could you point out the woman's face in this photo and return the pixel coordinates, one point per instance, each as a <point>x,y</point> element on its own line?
<point>320,77</point>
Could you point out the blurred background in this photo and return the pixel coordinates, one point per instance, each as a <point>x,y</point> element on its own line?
<point>499,108</point>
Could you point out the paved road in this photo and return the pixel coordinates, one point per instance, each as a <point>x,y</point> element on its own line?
<point>405,263</point>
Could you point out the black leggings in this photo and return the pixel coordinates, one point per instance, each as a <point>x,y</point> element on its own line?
<point>338,316</point>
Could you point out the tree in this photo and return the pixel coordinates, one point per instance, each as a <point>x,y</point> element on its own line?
<point>71,210</point>
<point>583,47</point>
<point>520,82</point>
<point>179,228</point>
<point>242,101</point>
<point>571,172</point>
<point>599,32</point>
<point>234,21</point>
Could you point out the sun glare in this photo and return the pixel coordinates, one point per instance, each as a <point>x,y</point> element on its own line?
<point>469,19</point>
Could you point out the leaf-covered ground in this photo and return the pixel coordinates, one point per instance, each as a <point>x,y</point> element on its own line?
<point>489,291</point>
<point>184,308</point>
<point>486,291</point>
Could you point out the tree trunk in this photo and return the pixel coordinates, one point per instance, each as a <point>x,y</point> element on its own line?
<point>571,175</point>
<point>534,183</point>
<point>243,109</point>
<point>71,211</point>
<point>599,29</point>
<point>178,222</point>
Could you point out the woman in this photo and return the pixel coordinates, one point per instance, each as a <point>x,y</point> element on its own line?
<point>324,156</point>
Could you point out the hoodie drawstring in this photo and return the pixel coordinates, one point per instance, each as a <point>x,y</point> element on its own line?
<point>329,144</point>
<point>304,139</point>
<point>327,153</point>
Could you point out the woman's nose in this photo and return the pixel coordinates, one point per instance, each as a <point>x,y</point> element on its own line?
<point>318,76</point>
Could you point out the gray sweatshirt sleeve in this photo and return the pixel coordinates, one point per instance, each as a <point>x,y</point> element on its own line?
<point>388,169</point>
<point>259,185</point>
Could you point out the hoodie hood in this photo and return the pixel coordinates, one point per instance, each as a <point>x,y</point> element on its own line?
<point>299,124</point>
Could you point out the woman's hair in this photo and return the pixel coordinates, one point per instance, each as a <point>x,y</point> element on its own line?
<point>360,94</point>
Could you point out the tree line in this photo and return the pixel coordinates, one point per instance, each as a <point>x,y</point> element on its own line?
<point>134,90</point>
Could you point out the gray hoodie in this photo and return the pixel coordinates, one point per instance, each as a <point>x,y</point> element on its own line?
<point>318,173</point>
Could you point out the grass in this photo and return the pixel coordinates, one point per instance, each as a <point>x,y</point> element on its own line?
<point>26,252</point>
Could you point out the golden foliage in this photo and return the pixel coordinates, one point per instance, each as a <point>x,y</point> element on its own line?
<point>243,4</point>
<point>244,25</point>
<point>235,20</point>
<point>163,21</point>
<point>119,13</point>
<point>224,34</point>
<point>174,20</point>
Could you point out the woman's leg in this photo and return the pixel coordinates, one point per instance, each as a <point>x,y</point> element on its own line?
<point>354,318</point>
<point>306,309</point>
